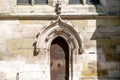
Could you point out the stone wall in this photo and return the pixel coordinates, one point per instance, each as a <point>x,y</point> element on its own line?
<point>105,7</point>
<point>100,39</point>
<point>16,50</point>
<point>107,37</point>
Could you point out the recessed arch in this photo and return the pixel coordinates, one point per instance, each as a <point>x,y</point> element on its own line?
<point>59,27</point>
<point>59,59</point>
<point>68,33</point>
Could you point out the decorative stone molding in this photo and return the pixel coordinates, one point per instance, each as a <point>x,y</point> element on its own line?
<point>59,28</point>
<point>58,8</point>
<point>64,29</point>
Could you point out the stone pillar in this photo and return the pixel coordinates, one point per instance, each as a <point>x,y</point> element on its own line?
<point>32,2</point>
<point>84,2</point>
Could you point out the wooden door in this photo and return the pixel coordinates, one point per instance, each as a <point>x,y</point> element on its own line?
<point>59,60</point>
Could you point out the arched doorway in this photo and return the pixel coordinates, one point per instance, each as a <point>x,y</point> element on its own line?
<point>60,44</point>
<point>59,59</point>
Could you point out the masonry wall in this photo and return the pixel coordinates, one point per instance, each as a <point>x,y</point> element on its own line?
<point>105,7</point>
<point>100,39</point>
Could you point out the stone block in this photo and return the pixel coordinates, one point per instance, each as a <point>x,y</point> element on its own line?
<point>30,30</point>
<point>98,35</point>
<point>79,23</point>
<point>100,9</point>
<point>2,48</point>
<point>112,5</point>
<point>22,45</point>
<point>112,35</point>
<point>100,54</point>
<point>22,51</point>
<point>89,44</point>
<point>91,57</point>
<point>10,22</point>
<point>87,36</point>
<point>33,23</point>
<point>91,9</point>
<point>2,42</point>
<point>2,64</point>
<point>2,76</point>
<point>117,49</point>
<point>10,66</point>
<point>15,65</point>
<point>104,42</point>
<point>107,29</point>
<point>89,68</point>
<point>13,44</point>
<point>88,78</point>
<point>90,29</point>
<point>89,73</point>
<point>101,23</point>
<point>102,65</point>
<point>102,73</point>
<point>105,35</point>
<point>113,57</point>
<point>2,37</point>
<point>27,43</point>
<point>113,22</point>
<point>92,23</point>
<point>115,74</point>
<point>10,76</point>
<point>34,76</point>
<point>108,65</point>
<point>114,41</point>
<point>31,68</point>
<point>4,7</point>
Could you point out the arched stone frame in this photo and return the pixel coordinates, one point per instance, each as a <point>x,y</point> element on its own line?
<point>65,30</point>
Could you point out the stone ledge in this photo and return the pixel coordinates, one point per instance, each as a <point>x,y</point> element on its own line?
<point>46,17</point>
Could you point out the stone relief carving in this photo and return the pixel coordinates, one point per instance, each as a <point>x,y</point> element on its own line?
<point>58,8</point>
<point>58,28</point>
<point>65,30</point>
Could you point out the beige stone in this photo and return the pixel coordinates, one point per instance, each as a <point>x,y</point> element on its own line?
<point>91,32</point>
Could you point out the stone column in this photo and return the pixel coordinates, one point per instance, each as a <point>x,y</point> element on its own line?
<point>32,2</point>
<point>84,2</point>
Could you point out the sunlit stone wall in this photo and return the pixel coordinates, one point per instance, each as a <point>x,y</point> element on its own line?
<point>100,40</point>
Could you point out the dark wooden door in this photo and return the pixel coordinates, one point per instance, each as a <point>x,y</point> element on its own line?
<point>59,60</point>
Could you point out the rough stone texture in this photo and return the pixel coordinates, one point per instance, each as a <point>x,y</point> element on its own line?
<point>117,48</point>
<point>100,40</point>
<point>10,7</point>
<point>20,47</point>
<point>113,6</point>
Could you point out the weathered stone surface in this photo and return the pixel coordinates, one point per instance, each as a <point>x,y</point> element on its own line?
<point>100,40</point>
<point>112,6</point>
<point>34,75</point>
<point>15,46</point>
<point>2,76</point>
<point>113,57</point>
<point>88,78</point>
<point>117,49</point>
<point>77,22</point>
<point>114,74</point>
<point>22,39</point>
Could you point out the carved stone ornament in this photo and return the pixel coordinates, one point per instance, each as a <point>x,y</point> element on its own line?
<point>59,28</point>
<point>58,8</point>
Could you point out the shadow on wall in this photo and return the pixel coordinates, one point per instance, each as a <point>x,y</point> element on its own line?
<point>108,50</point>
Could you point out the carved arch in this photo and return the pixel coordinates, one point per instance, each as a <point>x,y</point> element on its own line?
<point>59,28</point>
